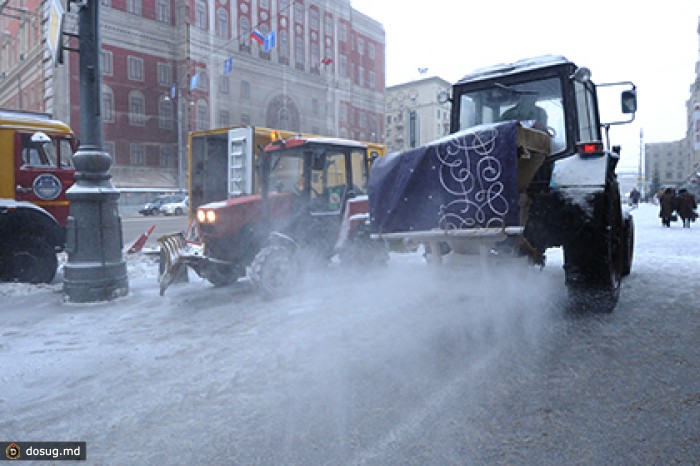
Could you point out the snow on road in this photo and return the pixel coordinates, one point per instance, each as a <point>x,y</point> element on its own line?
<point>341,370</point>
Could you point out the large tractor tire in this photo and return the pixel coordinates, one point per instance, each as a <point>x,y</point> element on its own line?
<point>31,261</point>
<point>222,275</point>
<point>361,251</point>
<point>274,271</point>
<point>627,245</point>
<point>594,260</point>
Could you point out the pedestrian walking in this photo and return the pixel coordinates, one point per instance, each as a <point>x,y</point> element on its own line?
<point>667,203</point>
<point>635,195</point>
<point>686,207</point>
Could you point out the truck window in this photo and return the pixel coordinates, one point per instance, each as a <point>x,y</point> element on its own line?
<point>585,107</point>
<point>36,154</point>
<point>66,152</point>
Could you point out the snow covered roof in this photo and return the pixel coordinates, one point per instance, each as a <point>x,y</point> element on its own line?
<point>515,67</point>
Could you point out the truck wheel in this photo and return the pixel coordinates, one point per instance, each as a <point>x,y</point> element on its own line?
<point>274,271</point>
<point>361,251</point>
<point>593,262</point>
<point>222,275</point>
<point>33,262</point>
<point>178,211</point>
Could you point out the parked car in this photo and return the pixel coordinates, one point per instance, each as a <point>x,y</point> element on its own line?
<point>177,207</point>
<point>153,207</point>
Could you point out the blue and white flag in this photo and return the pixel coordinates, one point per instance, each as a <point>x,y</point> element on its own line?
<point>270,41</point>
<point>228,65</point>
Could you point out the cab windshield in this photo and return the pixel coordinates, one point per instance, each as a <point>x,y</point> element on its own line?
<point>537,104</point>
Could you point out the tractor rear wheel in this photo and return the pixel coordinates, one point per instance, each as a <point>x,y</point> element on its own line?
<point>274,271</point>
<point>593,261</point>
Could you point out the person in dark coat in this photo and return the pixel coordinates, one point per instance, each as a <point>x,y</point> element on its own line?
<point>686,207</point>
<point>667,202</point>
<point>635,195</point>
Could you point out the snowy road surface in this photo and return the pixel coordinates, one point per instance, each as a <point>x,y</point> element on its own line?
<point>399,365</point>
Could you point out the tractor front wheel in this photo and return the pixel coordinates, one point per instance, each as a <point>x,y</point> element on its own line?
<point>274,271</point>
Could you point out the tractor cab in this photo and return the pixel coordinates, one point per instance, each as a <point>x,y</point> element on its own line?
<point>321,175</point>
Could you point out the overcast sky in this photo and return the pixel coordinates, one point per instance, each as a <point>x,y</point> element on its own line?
<point>652,43</point>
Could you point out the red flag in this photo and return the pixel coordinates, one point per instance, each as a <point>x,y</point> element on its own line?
<point>327,60</point>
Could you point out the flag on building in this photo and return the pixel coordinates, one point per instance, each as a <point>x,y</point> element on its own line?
<point>257,36</point>
<point>194,81</point>
<point>327,60</point>
<point>228,65</point>
<point>270,41</point>
<point>173,91</point>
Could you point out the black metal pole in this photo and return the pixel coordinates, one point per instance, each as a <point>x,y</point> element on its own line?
<point>96,270</point>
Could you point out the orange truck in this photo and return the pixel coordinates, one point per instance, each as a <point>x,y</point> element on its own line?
<point>36,170</point>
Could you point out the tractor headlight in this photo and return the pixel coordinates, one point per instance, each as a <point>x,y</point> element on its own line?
<point>201,216</point>
<point>211,216</point>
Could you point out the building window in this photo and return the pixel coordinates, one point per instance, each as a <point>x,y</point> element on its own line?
<point>245,119</point>
<point>165,74</point>
<point>221,23</point>
<point>167,157</point>
<point>283,47</point>
<point>224,85</point>
<point>107,63</point>
<point>372,79</point>
<point>360,46</point>
<point>137,106</point>
<point>244,37</point>
<point>202,122</point>
<point>137,154</point>
<point>299,13</point>
<point>343,65</point>
<point>299,53</point>
<point>200,15</point>
<point>107,104</point>
<point>314,19</point>
<point>163,11</point>
<point>371,50</point>
<point>135,72</point>
<point>245,90</point>
<point>133,6</point>
<point>314,106</point>
<point>329,26</point>
<point>343,32</point>
<point>361,75</point>
<point>166,113</point>
<point>202,80</point>
<point>224,118</point>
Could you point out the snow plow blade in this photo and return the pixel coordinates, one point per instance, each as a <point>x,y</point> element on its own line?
<point>172,267</point>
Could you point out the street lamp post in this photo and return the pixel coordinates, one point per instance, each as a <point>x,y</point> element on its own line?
<point>96,270</point>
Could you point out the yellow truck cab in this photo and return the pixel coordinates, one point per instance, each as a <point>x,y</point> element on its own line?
<point>36,170</point>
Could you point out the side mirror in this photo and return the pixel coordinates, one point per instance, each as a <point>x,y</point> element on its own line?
<point>629,101</point>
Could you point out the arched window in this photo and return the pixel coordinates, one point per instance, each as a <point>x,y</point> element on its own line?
<point>222,29</point>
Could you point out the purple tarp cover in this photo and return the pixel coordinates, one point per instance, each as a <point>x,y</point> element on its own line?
<point>466,180</point>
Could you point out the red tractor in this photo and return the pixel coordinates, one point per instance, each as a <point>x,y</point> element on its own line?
<point>311,205</point>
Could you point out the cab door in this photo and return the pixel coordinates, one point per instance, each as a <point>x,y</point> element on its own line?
<point>44,171</point>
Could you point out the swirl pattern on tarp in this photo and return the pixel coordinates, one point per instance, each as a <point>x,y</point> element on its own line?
<point>466,180</point>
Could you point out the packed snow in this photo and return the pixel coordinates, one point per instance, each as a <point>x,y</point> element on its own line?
<point>219,375</point>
